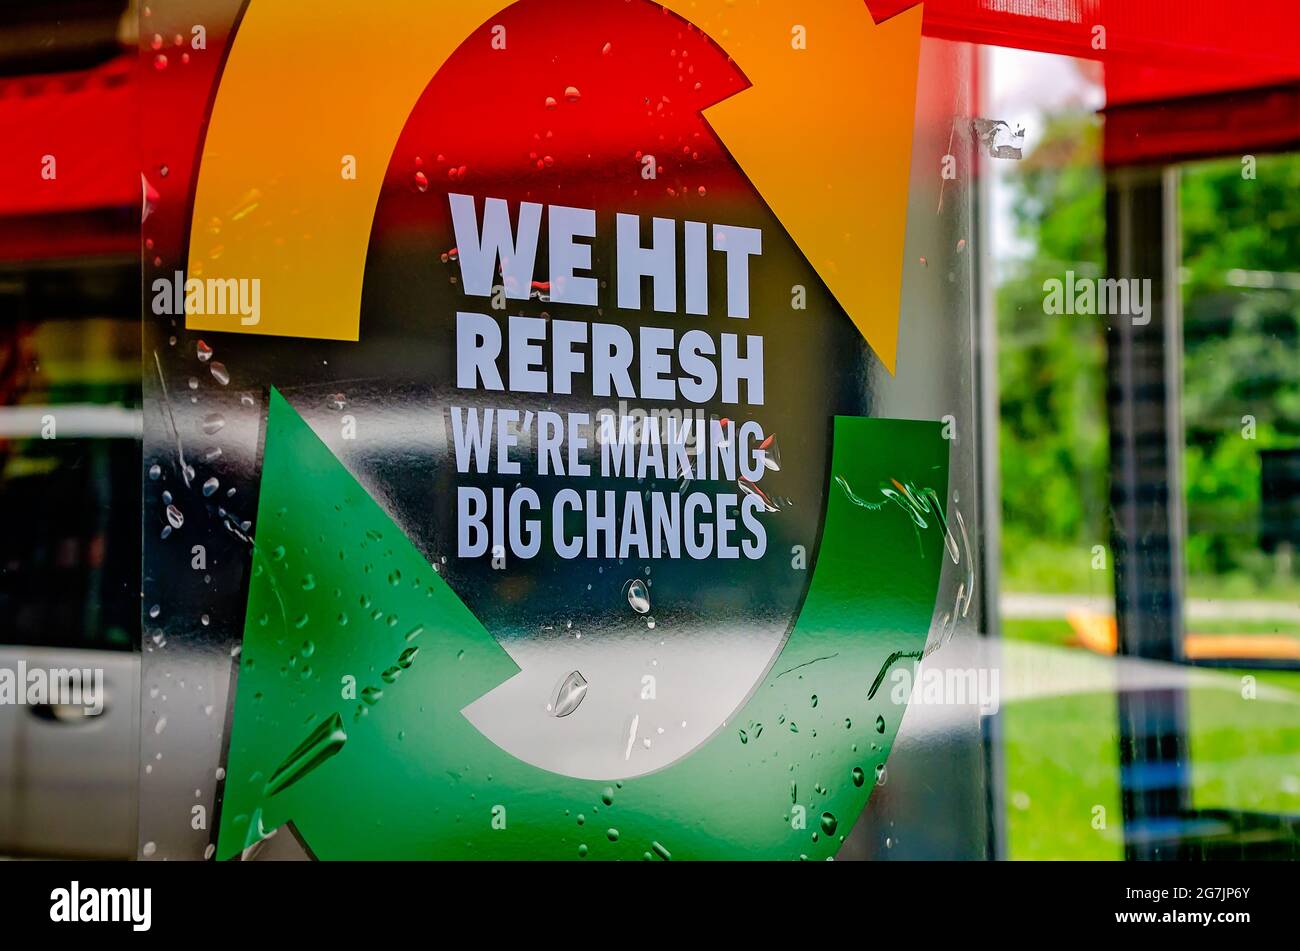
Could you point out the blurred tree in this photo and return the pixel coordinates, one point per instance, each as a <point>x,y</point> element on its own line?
<point>1051,368</point>
<point>1241,294</point>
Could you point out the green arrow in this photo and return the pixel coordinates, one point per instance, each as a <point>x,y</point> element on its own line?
<point>357,659</point>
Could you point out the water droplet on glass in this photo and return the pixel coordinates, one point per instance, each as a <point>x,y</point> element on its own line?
<point>771,453</point>
<point>880,724</point>
<point>155,471</point>
<point>750,488</point>
<point>204,351</point>
<point>174,517</point>
<point>829,823</point>
<point>638,596</point>
<point>212,423</point>
<point>859,777</point>
<point>220,373</point>
<point>570,695</point>
<point>211,486</point>
<point>321,744</point>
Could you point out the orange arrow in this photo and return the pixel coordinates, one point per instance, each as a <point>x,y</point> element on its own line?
<point>824,134</point>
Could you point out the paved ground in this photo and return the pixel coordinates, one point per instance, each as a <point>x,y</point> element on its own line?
<point>1048,606</point>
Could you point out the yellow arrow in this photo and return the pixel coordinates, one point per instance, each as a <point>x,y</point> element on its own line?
<point>824,134</point>
<point>343,79</point>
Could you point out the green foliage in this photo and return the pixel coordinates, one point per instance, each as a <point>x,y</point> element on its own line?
<point>1061,756</point>
<point>1035,564</point>
<point>1241,350</point>
<point>1241,296</point>
<point>1051,368</point>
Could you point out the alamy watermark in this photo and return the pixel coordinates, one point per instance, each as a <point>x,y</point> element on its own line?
<point>613,425</point>
<point>1101,297</point>
<point>959,686</point>
<point>99,905</point>
<point>54,687</point>
<point>214,296</point>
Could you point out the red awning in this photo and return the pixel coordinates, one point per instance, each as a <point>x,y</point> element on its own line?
<point>69,161</point>
<point>1152,49</point>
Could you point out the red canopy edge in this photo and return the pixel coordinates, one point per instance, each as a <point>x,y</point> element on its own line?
<point>1152,49</point>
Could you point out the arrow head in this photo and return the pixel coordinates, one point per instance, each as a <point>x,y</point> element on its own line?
<point>824,133</point>
<point>352,641</point>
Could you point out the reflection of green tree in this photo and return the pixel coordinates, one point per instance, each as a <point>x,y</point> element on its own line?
<point>1242,350</point>
<point>1242,355</point>
<point>1051,369</point>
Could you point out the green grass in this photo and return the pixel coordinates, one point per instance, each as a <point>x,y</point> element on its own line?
<point>1052,567</point>
<point>1240,586</point>
<point>1245,754</point>
<point>1056,632</point>
<point>1244,627</point>
<point>1061,756</point>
